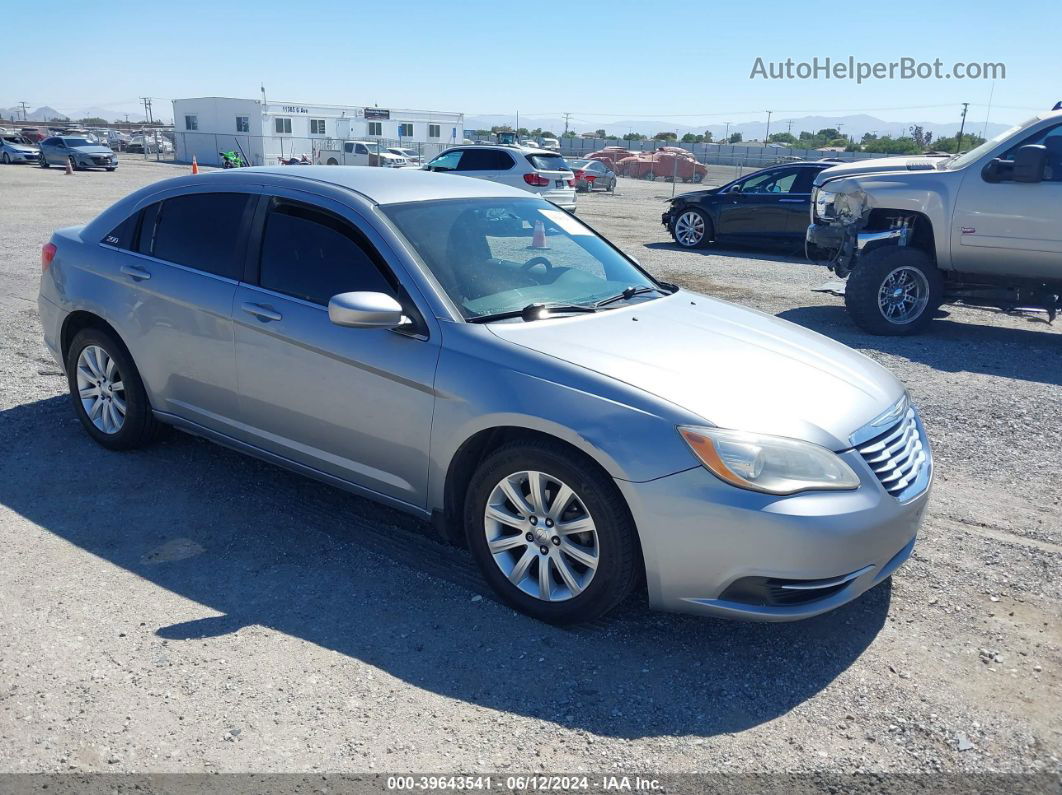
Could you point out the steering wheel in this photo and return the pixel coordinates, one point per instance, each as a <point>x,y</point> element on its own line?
<point>538,261</point>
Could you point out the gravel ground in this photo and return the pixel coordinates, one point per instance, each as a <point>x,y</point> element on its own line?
<point>184,608</point>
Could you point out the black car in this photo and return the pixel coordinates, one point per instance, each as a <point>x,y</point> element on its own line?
<point>772,204</point>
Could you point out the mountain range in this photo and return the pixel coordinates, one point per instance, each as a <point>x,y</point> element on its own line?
<point>854,126</point>
<point>47,112</point>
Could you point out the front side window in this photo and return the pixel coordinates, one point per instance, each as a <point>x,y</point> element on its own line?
<point>405,130</point>
<point>447,161</point>
<point>313,255</point>
<point>500,255</point>
<point>433,131</point>
<point>243,124</point>
<point>317,126</point>
<point>1051,139</point>
<point>199,230</point>
<point>191,122</point>
<point>282,125</point>
<point>375,128</point>
<point>780,181</point>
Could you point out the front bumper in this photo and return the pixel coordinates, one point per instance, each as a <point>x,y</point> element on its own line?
<point>24,157</point>
<point>713,549</point>
<point>97,161</point>
<point>825,236</point>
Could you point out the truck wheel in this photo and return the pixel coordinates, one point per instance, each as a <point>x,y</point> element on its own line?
<point>333,162</point>
<point>894,291</point>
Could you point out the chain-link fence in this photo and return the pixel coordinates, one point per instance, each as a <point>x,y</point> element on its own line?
<point>264,150</point>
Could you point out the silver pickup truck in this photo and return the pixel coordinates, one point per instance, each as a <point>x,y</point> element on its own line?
<point>911,233</point>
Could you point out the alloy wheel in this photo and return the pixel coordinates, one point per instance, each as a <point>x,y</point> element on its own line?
<point>100,389</point>
<point>689,228</point>
<point>541,536</point>
<point>903,295</point>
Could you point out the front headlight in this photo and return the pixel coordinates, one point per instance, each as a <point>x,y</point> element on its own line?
<point>770,464</point>
<point>824,203</point>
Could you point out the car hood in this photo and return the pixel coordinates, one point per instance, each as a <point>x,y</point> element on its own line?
<point>733,367</point>
<point>92,149</point>
<point>693,195</point>
<point>876,165</point>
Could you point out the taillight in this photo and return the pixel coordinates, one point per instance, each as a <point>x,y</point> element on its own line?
<point>578,173</point>
<point>571,183</point>
<point>47,255</point>
<point>536,180</point>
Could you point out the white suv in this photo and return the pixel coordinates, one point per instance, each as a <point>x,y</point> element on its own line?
<point>538,171</point>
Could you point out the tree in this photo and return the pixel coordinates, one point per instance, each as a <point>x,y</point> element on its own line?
<point>782,138</point>
<point>548,134</point>
<point>735,138</point>
<point>600,133</point>
<point>633,136</point>
<point>707,136</point>
<point>523,131</point>
<point>969,141</point>
<point>692,138</point>
<point>665,135</point>
<point>828,134</point>
<point>921,137</point>
<point>497,128</point>
<point>569,134</point>
<point>92,121</point>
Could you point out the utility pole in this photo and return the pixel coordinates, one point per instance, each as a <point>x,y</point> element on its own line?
<point>962,126</point>
<point>25,116</point>
<point>726,135</point>
<point>566,117</point>
<point>147,108</point>
<point>768,133</point>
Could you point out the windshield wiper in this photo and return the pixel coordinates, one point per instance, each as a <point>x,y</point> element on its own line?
<point>534,312</point>
<point>628,294</point>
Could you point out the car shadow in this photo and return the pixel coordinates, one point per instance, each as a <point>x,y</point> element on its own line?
<point>255,545</point>
<point>1032,354</point>
<point>789,253</point>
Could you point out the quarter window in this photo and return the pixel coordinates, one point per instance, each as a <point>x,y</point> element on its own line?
<point>282,125</point>
<point>199,230</point>
<point>191,122</point>
<point>375,128</point>
<point>317,126</point>
<point>243,124</point>
<point>405,130</point>
<point>311,254</point>
<point>433,131</point>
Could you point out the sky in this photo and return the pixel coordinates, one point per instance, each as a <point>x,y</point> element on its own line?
<point>688,62</point>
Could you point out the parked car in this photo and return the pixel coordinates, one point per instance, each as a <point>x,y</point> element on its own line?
<point>138,143</point>
<point>534,170</point>
<point>552,144</point>
<point>672,164</point>
<point>35,134</point>
<point>771,204</point>
<point>912,233</point>
<point>359,153</point>
<point>78,152</point>
<point>485,360</point>
<point>18,149</point>
<point>409,155</point>
<point>591,174</point>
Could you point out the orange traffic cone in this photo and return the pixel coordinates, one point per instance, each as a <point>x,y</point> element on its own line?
<point>69,168</point>
<point>538,239</point>
<point>195,166</point>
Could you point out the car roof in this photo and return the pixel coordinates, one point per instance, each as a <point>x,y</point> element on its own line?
<point>387,185</point>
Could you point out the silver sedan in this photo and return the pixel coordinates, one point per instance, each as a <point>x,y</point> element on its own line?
<point>593,175</point>
<point>479,358</point>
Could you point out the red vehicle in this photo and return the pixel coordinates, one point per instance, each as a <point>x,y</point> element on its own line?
<point>35,134</point>
<point>666,162</point>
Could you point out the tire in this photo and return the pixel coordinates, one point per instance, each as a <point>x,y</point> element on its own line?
<point>690,222</point>
<point>7,159</point>
<point>910,271</point>
<point>44,162</point>
<point>612,186</point>
<point>612,542</point>
<point>138,427</point>
<point>110,168</point>
<point>73,164</point>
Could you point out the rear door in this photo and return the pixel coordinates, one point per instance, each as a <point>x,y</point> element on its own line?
<point>352,403</point>
<point>497,165</point>
<point>179,260</point>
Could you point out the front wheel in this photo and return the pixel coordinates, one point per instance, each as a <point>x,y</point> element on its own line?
<point>550,533</point>
<point>7,159</point>
<point>894,291</point>
<point>691,229</point>
<point>43,162</point>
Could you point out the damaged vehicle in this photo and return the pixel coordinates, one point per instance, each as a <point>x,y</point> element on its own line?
<point>983,228</point>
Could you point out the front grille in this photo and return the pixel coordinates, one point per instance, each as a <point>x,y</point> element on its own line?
<point>900,457</point>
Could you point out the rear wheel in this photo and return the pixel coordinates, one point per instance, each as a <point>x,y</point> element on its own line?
<point>894,291</point>
<point>550,533</point>
<point>612,185</point>
<point>691,229</point>
<point>7,159</point>
<point>107,392</point>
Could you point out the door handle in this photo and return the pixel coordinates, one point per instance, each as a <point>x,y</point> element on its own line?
<point>135,272</point>
<point>261,312</point>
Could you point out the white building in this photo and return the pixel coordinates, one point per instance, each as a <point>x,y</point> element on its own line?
<point>264,131</point>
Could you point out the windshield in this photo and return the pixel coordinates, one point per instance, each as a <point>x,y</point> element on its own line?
<point>76,142</point>
<point>968,157</point>
<point>500,255</point>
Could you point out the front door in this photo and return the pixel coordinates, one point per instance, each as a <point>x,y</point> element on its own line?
<point>353,403</point>
<point>764,205</point>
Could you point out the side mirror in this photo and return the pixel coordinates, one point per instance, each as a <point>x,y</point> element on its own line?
<point>994,169</point>
<point>1029,163</point>
<point>365,310</point>
<point>735,189</point>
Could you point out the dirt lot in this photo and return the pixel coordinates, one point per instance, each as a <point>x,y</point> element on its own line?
<point>184,608</point>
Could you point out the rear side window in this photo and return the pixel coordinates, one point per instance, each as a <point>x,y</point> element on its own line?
<point>202,231</point>
<point>313,255</point>
<point>485,160</point>
<point>548,162</point>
